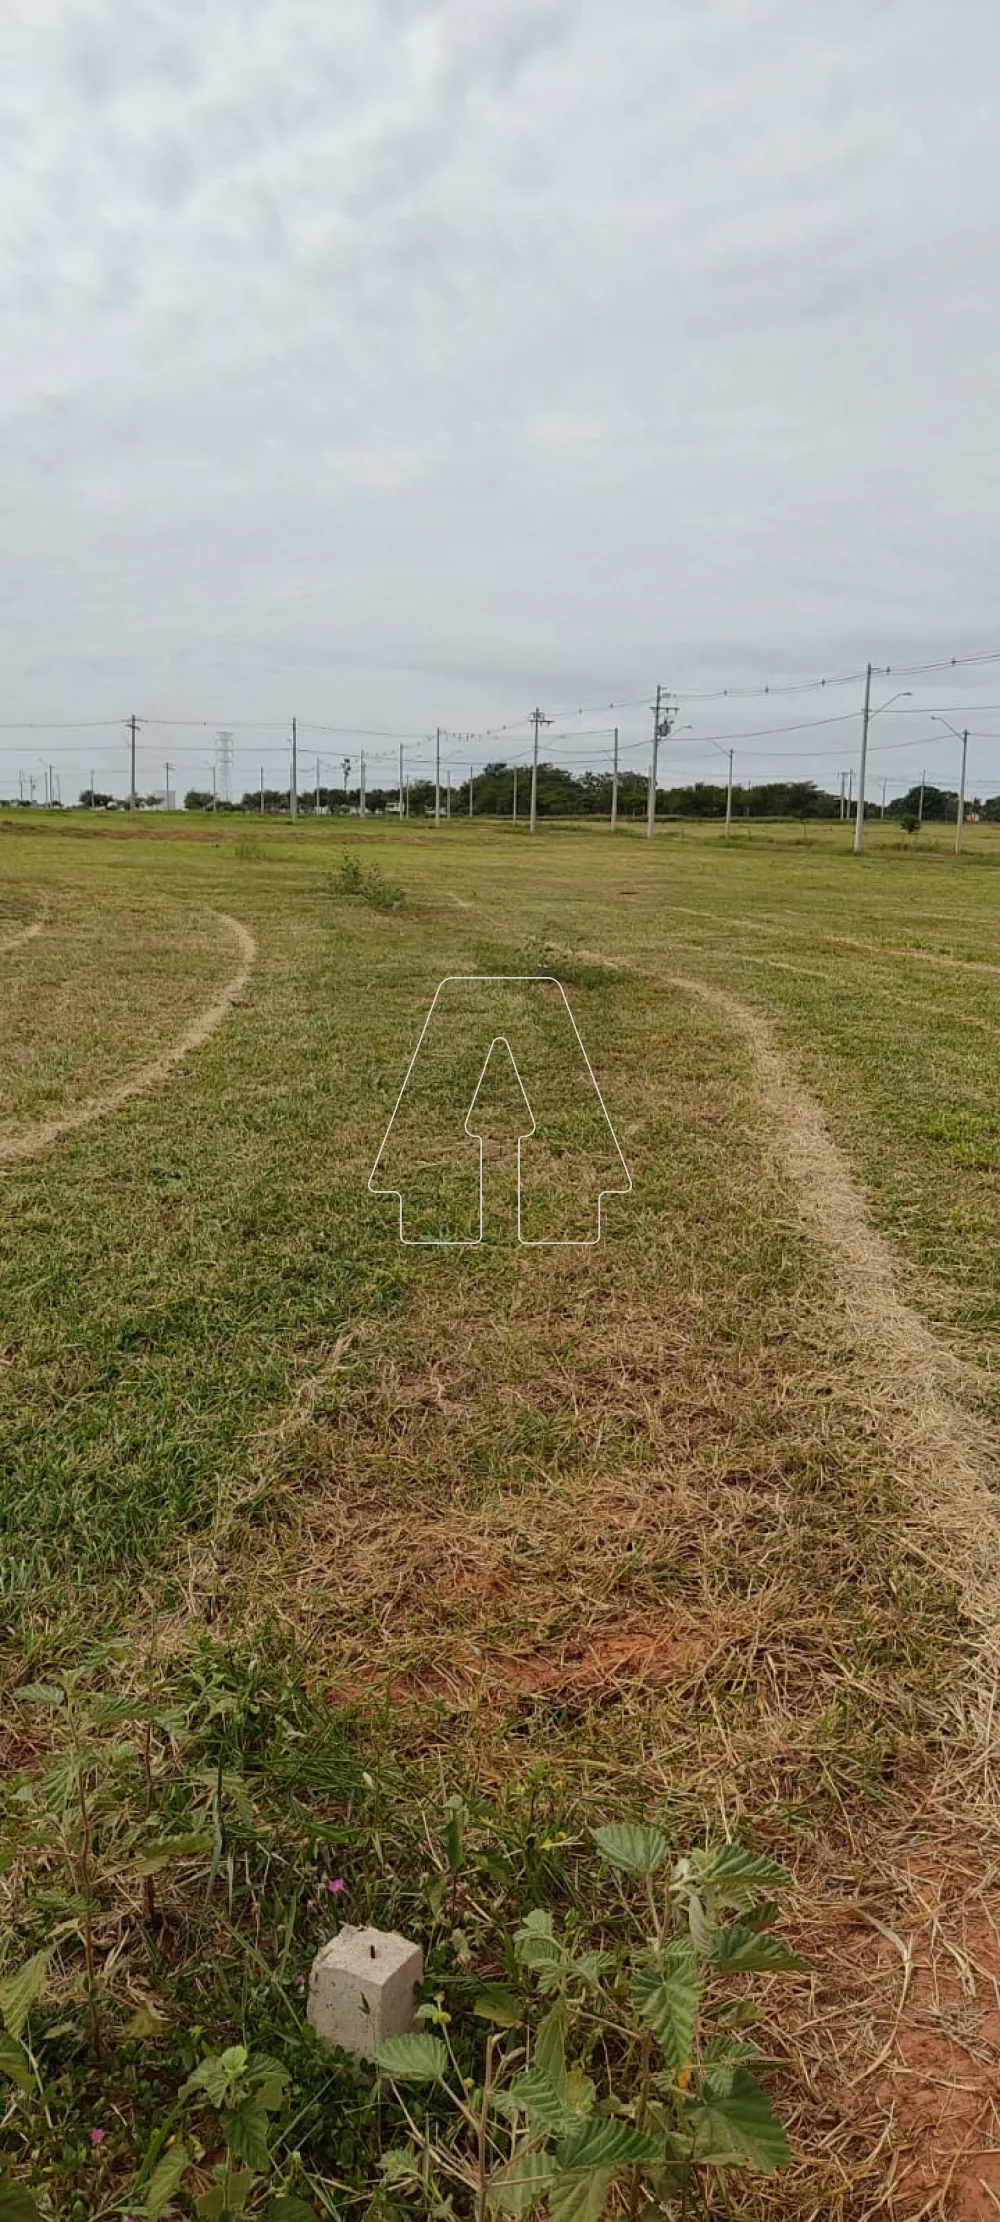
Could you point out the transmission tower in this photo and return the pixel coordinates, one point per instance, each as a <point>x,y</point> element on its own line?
<point>224,766</point>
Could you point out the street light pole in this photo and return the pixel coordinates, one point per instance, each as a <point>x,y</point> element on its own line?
<point>869,714</point>
<point>859,822</point>
<point>964,738</point>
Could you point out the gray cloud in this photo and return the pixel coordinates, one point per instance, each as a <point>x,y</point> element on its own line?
<point>407,361</point>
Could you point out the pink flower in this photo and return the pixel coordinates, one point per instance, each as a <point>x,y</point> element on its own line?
<point>97,2136</point>
<point>337,1884</point>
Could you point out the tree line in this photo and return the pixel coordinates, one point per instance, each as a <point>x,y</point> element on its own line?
<point>566,794</point>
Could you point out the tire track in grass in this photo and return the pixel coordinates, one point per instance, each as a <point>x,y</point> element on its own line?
<point>15,1148</point>
<point>23,934</point>
<point>950,1456</point>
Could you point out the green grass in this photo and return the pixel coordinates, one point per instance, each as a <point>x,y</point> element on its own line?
<point>411,1509</point>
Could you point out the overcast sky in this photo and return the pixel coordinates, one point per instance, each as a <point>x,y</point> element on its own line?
<point>405,362</point>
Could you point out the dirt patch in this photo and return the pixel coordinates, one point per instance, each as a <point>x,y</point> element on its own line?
<point>41,1137</point>
<point>897,2034</point>
<point>936,957</point>
<point>948,1450</point>
<point>22,934</point>
<point>617,1667</point>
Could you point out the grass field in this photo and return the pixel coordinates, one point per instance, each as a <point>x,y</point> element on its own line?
<point>695,1525</point>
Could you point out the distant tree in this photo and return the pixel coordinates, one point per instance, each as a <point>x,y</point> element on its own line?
<point>90,799</point>
<point>940,805</point>
<point>197,799</point>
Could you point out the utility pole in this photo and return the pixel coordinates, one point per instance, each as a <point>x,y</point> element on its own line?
<point>437,778</point>
<point>614,786</point>
<point>401,782</point>
<point>470,790</point>
<point>661,727</point>
<point>859,819</point>
<point>729,797</point>
<point>131,784</point>
<point>537,719</point>
<point>293,791</point>
<point>960,821</point>
<point>448,812</point>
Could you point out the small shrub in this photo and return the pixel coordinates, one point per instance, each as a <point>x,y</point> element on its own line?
<point>369,886</point>
<point>635,2080</point>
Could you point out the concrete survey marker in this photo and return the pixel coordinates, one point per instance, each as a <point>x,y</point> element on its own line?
<point>362,1989</point>
<point>500,1131</point>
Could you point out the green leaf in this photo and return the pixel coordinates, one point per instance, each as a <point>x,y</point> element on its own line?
<point>455,1824</point>
<point>550,2047</point>
<point>736,2127</point>
<point>601,2142</point>
<point>494,2003</point>
<point>743,1948</point>
<point>761,1915</point>
<point>244,2128</point>
<point>401,2164</point>
<point>590,1966</point>
<point>270,2091</point>
<point>535,2095</point>
<point>241,2183</point>
<point>216,2076</point>
<point>581,2093</point>
<point>20,1992</point>
<point>735,1875</point>
<point>290,2209</point>
<point>666,1997</point>
<point>634,1846</point>
<point>580,2195</point>
<point>16,2203</point>
<point>212,2203</point>
<point>703,1931</point>
<point>14,2062</point>
<point>416,2059</point>
<point>436,1892</point>
<point>165,2180</point>
<point>40,1693</point>
<point>534,1943</point>
<point>523,2184</point>
<point>167,1848</point>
